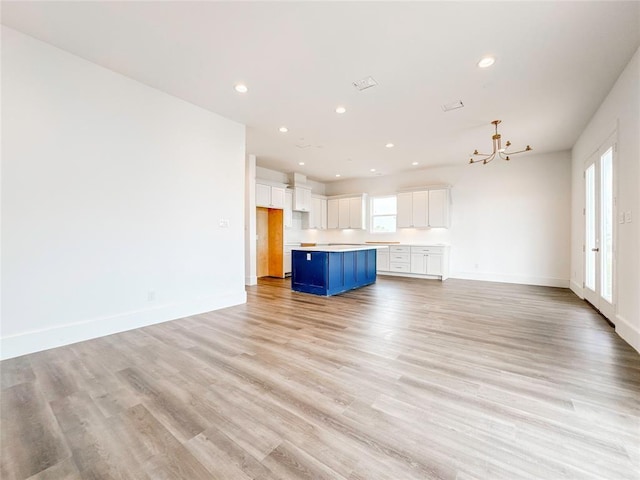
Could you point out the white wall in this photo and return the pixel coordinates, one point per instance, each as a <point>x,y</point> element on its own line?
<point>621,111</point>
<point>250,238</point>
<point>510,220</point>
<point>112,193</point>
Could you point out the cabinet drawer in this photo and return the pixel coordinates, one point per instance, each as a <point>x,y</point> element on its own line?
<point>399,267</point>
<point>435,250</point>
<point>400,257</point>
<point>399,249</point>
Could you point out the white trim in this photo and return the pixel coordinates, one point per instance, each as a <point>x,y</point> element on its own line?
<point>410,275</point>
<point>577,289</point>
<point>425,188</point>
<point>628,332</point>
<point>251,280</point>
<point>37,340</point>
<point>505,278</point>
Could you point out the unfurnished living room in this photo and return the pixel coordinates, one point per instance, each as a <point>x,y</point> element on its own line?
<point>320,240</point>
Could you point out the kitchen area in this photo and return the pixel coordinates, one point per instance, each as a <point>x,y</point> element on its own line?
<point>296,216</point>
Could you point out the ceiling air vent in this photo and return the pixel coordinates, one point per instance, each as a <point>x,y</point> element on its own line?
<point>365,83</point>
<point>452,106</point>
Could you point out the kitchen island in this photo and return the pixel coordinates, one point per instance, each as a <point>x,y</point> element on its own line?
<point>329,270</point>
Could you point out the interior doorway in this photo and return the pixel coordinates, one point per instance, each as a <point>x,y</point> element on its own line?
<point>270,242</point>
<point>599,212</point>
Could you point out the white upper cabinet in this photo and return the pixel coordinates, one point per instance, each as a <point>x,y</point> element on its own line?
<point>288,209</point>
<point>269,196</point>
<point>333,212</point>
<point>263,195</point>
<point>318,214</point>
<point>301,199</point>
<point>422,209</point>
<point>439,208</point>
<point>356,212</point>
<point>277,197</point>
<point>344,219</point>
<point>347,212</point>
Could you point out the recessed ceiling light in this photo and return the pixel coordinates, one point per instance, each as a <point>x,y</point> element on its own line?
<point>414,163</point>
<point>241,88</point>
<point>486,62</point>
<point>337,174</point>
<point>340,109</point>
<point>300,163</point>
<point>389,145</point>
<point>283,129</point>
<point>372,170</point>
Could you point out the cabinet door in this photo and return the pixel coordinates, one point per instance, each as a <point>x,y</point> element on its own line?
<point>343,213</point>
<point>263,195</point>
<point>288,209</point>
<point>418,263</point>
<point>420,209</point>
<point>333,213</point>
<point>382,261</point>
<point>404,216</point>
<point>314,213</point>
<point>439,208</point>
<point>302,199</point>
<point>277,197</point>
<point>434,264</point>
<point>287,262</point>
<point>356,212</point>
<point>323,214</point>
<point>306,196</point>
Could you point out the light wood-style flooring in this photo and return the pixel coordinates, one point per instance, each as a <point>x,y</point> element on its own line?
<point>404,379</point>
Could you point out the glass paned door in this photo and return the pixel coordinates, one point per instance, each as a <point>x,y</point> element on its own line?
<point>606,225</point>
<point>600,230</point>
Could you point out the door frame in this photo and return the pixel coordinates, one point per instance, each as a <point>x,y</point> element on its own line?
<point>606,308</point>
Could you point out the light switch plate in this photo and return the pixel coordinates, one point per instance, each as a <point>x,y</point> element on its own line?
<point>621,217</point>
<point>627,216</point>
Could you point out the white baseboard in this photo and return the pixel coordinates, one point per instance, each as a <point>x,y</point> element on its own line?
<point>577,289</point>
<point>521,279</point>
<point>251,280</point>
<point>57,336</point>
<point>628,332</point>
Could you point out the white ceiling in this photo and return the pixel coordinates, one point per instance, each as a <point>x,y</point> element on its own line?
<point>555,63</point>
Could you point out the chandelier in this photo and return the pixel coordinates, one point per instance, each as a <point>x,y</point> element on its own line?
<point>498,150</point>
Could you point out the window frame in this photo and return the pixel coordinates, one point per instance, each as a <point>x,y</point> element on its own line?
<point>373,215</point>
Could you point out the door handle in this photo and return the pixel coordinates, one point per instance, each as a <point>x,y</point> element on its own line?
<point>595,249</point>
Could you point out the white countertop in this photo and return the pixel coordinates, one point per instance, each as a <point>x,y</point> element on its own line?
<point>341,248</point>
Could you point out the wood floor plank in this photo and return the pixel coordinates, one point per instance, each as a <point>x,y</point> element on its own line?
<point>404,379</point>
<point>31,439</point>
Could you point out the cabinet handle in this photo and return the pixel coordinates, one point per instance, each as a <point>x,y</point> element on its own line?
<point>595,249</point>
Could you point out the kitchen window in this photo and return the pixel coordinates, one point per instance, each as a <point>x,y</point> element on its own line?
<point>383,214</point>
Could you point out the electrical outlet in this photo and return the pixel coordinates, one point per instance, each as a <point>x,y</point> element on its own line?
<point>621,217</point>
<point>223,223</point>
<point>151,295</point>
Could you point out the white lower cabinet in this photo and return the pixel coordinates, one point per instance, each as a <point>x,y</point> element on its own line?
<point>426,264</point>
<point>286,259</point>
<point>419,260</point>
<point>400,258</point>
<point>382,260</point>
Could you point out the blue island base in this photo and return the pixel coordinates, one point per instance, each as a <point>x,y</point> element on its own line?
<point>329,273</point>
